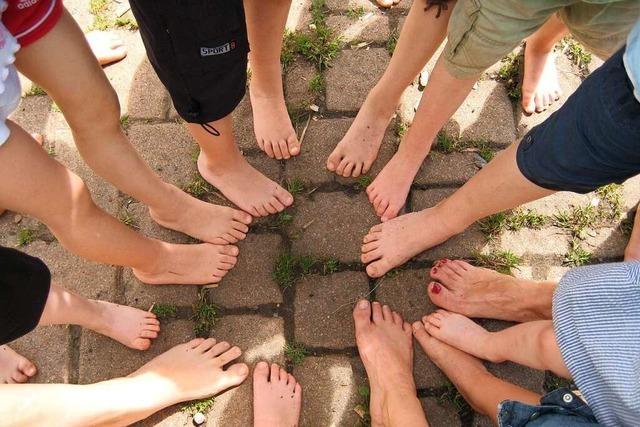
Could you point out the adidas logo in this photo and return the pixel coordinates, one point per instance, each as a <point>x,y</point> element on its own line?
<point>26,3</point>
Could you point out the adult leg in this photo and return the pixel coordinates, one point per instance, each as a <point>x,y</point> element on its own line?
<point>272,125</point>
<point>277,397</point>
<point>61,200</point>
<point>189,371</point>
<point>422,33</point>
<point>61,63</point>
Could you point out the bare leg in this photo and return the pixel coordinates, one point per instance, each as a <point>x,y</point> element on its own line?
<point>632,251</point>
<point>498,186</point>
<point>480,389</point>
<point>277,397</point>
<point>61,62</point>
<point>480,292</point>
<point>221,164</point>
<point>60,199</point>
<point>272,125</point>
<point>531,344</point>
<point>540,87</point>
<point>193,370</point>
<point>420,37</point>
<point>386,349</point>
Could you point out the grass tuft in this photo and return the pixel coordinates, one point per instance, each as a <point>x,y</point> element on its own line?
<point>577,54</point>
<point>204,315</point>
<point>284,272</point>
<point>295,352</point>
<point>203,406</point>
<point>164,311</point>
<point>126,22</point>
<point>35,90</point>
<point>509,73</point>
<point>330,266</point>
<point>392,42</point>
<point>364,181</point>
<point>501,261</point>
<point>125,121</point>
<point>317,84</point>
<point>356,12</point>
<point>198,187</point>
<point>128,219</point>
<point>25,236</point>
<point>295,186</point>
<point>577,255</point>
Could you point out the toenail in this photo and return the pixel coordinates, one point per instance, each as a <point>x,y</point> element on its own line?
<point>436,288</point>
<point>434,270</point>
<point>444,261</point>
<point>363,304</point>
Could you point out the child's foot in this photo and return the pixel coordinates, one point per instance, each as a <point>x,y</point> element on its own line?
<point>357,151</point>
<point>272,126</point>
<point>484,293</point>
<point>386,349</point>
<point>540,87</point>
<point>388,192</point>
<point>130,326</point>
<point>106,46</point>
<point>201,264</point>
<point>387,3</point>
<point>277,397</point>
<point>204,221</point>
<point>247,188</point>
<point>391,244</point>
<point>462,333</point>
<point>14,368</point>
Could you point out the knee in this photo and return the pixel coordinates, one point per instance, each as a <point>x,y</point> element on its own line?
<point>100,116</point>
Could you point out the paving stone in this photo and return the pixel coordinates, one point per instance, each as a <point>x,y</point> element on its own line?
<point>79,9</point>
<point>332,225</point>
<point>330,393</point>
<point>343,6</point>
<point>296,84</point>
<point>323,308</point>
<point>299,15</point>
<point>48,348</point>
<point>409,102</point>
<point>405,292</point>
<point>346,90</point>
<point>371,27</point>
<point>448,169</point>
<point>439,415</point>
<point>425,373</point>
<point>631,193</point>
<point>233,408</point>
<point>259,337</point>
<point>250,284</point>
<point>559,202</point>
<point>33,113</point>
<point>482,421</point>
<point>143,296</point>
<point>606,244</point>
<point>548,243</point>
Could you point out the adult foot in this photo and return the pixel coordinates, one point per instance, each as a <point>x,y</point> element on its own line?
<point>277,397</point>
<point>386,349</point>
<point>540,87</point>
<point>272,126</point>
<point>130,326</point>
<point>190,264</point>
<point>14,368</point>
<point>247,188</point>
<point>204,221</point>
<point>106,46</point>
<point>391,244</point>
<point>480,292</point>
<point>388,192</point>
<point>387,3</point>
<point>632,251</point>
<point>357,151</point>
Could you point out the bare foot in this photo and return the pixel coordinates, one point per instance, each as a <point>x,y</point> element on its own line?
<point>204,221</point>
<point>387,3</point>
<point>277,397</point>
<point>247,188</point>
<point>190,264</point>
<point>480,292</point>
<point>391,244</point>
<point>540,87</point>
<point>14,368</point>
<point>357,151</point>
<point>632,251</point>
<point>272,126</point>
<point>386,349</point>
<point>130,326</point>
<point>106,46</point>
<point>388,192</point>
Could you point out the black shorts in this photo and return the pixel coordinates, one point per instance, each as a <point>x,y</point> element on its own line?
<point>199,49</point>
<point>593,140</point>
<point>24,289</point>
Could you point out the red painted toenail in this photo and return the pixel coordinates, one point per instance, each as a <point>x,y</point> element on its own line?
<point>444,261</point>
<point>436,288</point>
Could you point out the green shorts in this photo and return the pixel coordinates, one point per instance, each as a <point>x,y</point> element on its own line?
<point>481,32</point>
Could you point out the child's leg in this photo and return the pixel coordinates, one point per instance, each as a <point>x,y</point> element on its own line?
<point>532,344</point>
<point>61,200</point>
<point>62,63</point>
<point>480,389</point>
<point>272,125</point>
<point>632,251</point>
<point>421,35</point>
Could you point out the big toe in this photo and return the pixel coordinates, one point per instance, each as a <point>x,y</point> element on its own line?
<point>442,297</point>
<point>261,372</point>
<point>421,335</point>
<point>142,344</point>
<point>528,104</point>
<point>334,160</point>
<point>294,146</point>
<point>27,368</point>
<point>377,269</point>
<point>236,374</point>
<point>362,314</point>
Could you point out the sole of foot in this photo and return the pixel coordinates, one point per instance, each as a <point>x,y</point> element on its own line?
<point>201,264</point>
<point>14,368</point>
<point>129,326</point>
<point>277,397</point>
<point>106,46</point>
<point>247,188</point>
<point>272,126</point>
<point>540,87</point>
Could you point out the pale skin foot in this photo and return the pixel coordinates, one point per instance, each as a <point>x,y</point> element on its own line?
<point>191,265</point>
<point>277,397</point>
<point>480,292</point>
<point>540,87</point>
<point>632,251</point>
<point>14,368</point>
<point>272,126</point>
<point>130,326</point>
<point>391,244</point>
<point>387,3</point>
<point>106,46</point>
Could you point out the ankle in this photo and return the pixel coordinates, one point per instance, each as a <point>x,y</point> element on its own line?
<point>489,348</point>
<point>382,101</point>
<point>450,220</point>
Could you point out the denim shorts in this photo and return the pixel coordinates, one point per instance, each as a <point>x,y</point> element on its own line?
<point>593,140</point>
<point>560,408</point>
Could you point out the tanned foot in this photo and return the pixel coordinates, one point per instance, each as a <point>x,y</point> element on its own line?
<point>480,292</point>
<point>540,87</point>
<point>388,192</point>
<point>632,251</point>
<point>247,188</point>
<point>386,349</point>
<point>14,368</point>
<point>106,46</point>
<point>272,126</point>
<point>277,397</point>
<point>391,244</point>
<point>201,264</point>
<point>130,326</point>
<point>204,221</point>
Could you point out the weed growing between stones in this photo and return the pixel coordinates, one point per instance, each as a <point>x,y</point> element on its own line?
<point>509,73</point>
<point>451,396</point>
<point>316,84</point>
<point>392,42</point>
<point>203,406</point>
<point>295,352</point>
<point>128,219</point>
<point>198,187</point>
<point>204,315</point>
<point>295,186</point>
<point>164,311</point>
<point>364,181</point>
<point>577,54</point>
<point>356,12</point>
<point>25,236</point>
<point>35,90</point>
<point>577,255</point>
<point>362,409</point>
<point>501,261</point>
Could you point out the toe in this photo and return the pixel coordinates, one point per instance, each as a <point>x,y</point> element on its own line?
<point>229,355</point>
<point>268,148</point>
<point>19,377</point>
<point>357,170</point>
<point>284,149</point>
<point>343,164</point>
<point>229,250</point>
<point>244,218</point>
<point>334,160</point>
<point>368,257</point>
<point>387,314</point>
<point>362,314</point>
<point>378,317</point>
<point>371,237</point>
<point>382,207</point>
<point>148,334</point>
<point>463,264</point>
<point>421,334</point>
<point>275,373</point>
<point>194,343</point>
<point>348,170</point>
<point>294,145</point>
<point>219,348</point>
<point>368,247</point>
<point>267,206</point>
<point>434,320</point>
<point>235,375</point>
<point>206,345</point>
<point>397,318</point>
<point>284,196</point>
<point>390,212</point>
<point>276,149</point>
<point>375,270</point>
<point>275,204</point>
<point>442,297</point>
<point>291,383</point>
<point>27,368</point>
<point>141,344</point>
<point>261,372</point>
<point>283,376</point>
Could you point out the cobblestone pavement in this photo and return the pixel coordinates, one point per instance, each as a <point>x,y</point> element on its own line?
<point>321,233</point>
